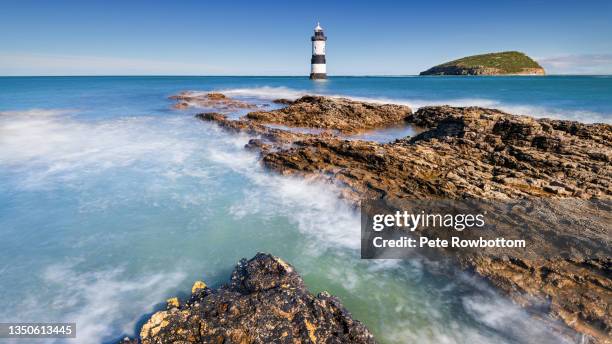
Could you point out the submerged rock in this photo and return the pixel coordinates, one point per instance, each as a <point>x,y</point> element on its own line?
<point>264,302</point>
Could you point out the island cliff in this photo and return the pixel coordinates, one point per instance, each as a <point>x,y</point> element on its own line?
<point>503,63</point>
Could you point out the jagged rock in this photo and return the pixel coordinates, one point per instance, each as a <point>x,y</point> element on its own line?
<point>467,152</point>
<point>340,114</point>
<point>264,302</point>
<point>494,154</point>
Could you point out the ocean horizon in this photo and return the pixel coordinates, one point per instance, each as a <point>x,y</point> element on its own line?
<point>579,97</point>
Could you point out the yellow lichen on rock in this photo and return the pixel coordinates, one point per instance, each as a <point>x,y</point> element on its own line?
<point>154,325</point>
<point>197,286</point>
<point>173,302</point>
<point>311,331</point>
<point>284,264</point>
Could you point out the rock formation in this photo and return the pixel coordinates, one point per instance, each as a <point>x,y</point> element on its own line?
<point>340,114</point>
<point>465,152</point>
<point>264,302</point>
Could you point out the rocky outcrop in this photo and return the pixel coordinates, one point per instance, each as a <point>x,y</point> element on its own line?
<point>214,100</point>
<point>340,114</point>
<point>479,153</point>
<point>264,302</point>
<point>469,152</point>
<point>466,152</point>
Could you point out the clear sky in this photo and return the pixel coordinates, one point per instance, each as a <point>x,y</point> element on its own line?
<point>273,37</point>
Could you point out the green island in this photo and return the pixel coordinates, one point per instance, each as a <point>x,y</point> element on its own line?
<point>502,63</point>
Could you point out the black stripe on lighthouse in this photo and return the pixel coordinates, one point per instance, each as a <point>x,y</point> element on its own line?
<point>317,59</point>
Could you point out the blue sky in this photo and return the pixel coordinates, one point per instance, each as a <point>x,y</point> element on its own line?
<point>273,37</point>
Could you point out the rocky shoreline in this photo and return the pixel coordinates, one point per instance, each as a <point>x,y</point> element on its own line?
<point>463,153</point>
<point>466,152</point>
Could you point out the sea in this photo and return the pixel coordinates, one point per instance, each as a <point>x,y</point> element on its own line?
<point>111,201</point>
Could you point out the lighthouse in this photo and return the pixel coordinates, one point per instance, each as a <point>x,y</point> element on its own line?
<point>318,69</point>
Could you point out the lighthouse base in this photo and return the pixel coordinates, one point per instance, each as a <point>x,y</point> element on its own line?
<point>318,76</point>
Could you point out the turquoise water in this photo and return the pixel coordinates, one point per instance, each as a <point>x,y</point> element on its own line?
<point>111,202</point>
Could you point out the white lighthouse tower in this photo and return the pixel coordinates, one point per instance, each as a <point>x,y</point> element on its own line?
<point>318,69</point>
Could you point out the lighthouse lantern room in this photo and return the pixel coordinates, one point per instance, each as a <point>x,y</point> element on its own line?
<point>318,68</point>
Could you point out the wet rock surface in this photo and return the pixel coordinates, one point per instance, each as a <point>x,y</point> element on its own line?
<point>264,302</point>
<point>578,292</point>
<point>466,152</point>
<point>340,114</point>
<point>215,100</point>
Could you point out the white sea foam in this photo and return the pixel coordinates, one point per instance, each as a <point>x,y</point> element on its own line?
<point>99,301</point>
<point>504,316</point>
<point>312,205</point>
<point>271,93</point>
<point>57,148</point>
<point>37,112</point>
<point>266,92</point>
<point>450,333</point>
